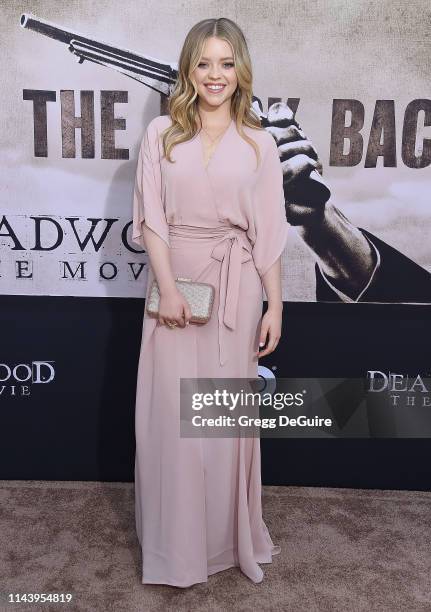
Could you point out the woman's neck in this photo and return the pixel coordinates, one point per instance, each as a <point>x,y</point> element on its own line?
<point>216,118</point>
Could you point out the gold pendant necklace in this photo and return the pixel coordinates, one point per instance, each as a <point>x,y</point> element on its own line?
<point>219,135</point>
<point>210,150</point>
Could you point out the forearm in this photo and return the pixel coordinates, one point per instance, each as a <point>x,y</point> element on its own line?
<point>158,252</point>
<point>343,252</point>
<point>271,281</point>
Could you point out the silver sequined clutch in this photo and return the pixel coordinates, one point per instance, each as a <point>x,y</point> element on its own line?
<point>200,297</point>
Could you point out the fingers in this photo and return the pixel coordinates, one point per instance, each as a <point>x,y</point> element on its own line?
<point>168,321</point>
<point>181,320</point>
<point>287,133</point>
<point>297,153</point>
<point>299,165</point>
<point>187,314</point>
<point>280,113</point>
<point>171,323</point>
<point>292,143</point>
<point>184,318</point>
<point>272,343</point>
<point>288,149</point>
<point>174,322</point>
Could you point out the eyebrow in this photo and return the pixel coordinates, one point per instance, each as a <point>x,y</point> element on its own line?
<point>222,58</point>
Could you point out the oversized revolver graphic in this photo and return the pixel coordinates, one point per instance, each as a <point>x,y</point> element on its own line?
<point>154,73</point>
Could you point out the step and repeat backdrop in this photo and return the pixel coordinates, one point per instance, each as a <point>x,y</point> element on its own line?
<point>80,83</point>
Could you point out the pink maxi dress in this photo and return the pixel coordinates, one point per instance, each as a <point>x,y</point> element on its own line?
<point>198,500</point>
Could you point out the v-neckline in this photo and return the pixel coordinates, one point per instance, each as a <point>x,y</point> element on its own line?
<point>201,145</point>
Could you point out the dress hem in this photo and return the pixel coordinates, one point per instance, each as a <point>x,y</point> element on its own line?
<point>215,570</point>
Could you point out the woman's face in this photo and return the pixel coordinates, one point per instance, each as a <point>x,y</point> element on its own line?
<point>216,67</point>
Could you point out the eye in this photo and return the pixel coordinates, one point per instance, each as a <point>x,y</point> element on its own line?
<point>228,64</point>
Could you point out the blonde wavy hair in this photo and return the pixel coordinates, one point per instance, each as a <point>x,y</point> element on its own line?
<point>182,103</point>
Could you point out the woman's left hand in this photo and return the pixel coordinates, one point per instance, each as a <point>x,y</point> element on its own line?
<point>271,330</point>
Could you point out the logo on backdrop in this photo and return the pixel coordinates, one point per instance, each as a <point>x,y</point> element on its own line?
<point>400,389</point>
<point>16,380</point>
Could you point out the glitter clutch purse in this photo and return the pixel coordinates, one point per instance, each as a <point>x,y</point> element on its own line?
<point>200,297</point>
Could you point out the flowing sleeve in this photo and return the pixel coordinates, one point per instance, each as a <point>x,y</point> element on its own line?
<point>147,200</point>
<point>269,224</point>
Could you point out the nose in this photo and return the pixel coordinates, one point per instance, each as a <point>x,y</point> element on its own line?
<point>213,73</point>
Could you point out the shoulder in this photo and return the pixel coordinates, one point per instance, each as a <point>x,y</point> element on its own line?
<point>159,123</point>
<point>264,139</point>
<point>155,128</point>
<point>151,139</point>
<point>266,142</point>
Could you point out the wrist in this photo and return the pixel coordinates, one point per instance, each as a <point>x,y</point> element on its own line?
<point>167,289</point>
<point>276,306</point>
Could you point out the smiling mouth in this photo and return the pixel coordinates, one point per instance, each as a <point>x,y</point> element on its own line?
<point>214,88</point>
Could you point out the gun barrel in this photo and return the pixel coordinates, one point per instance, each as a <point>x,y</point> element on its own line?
<point>118,61</point>
<point>166,72</point>
<point>42,26</point>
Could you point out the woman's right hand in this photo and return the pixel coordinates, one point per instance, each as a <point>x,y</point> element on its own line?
<point>174,308</point>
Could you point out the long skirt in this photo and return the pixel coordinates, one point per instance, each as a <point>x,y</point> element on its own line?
<point>198,500</point>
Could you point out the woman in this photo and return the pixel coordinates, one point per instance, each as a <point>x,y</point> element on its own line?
<point>208,205</point>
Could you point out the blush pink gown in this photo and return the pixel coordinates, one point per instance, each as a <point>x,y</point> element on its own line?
<point>198,500</point>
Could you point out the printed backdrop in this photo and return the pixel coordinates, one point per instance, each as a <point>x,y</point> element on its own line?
<point>83,84</point>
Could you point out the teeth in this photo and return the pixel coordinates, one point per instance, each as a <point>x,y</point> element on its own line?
<point>215,87</point>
